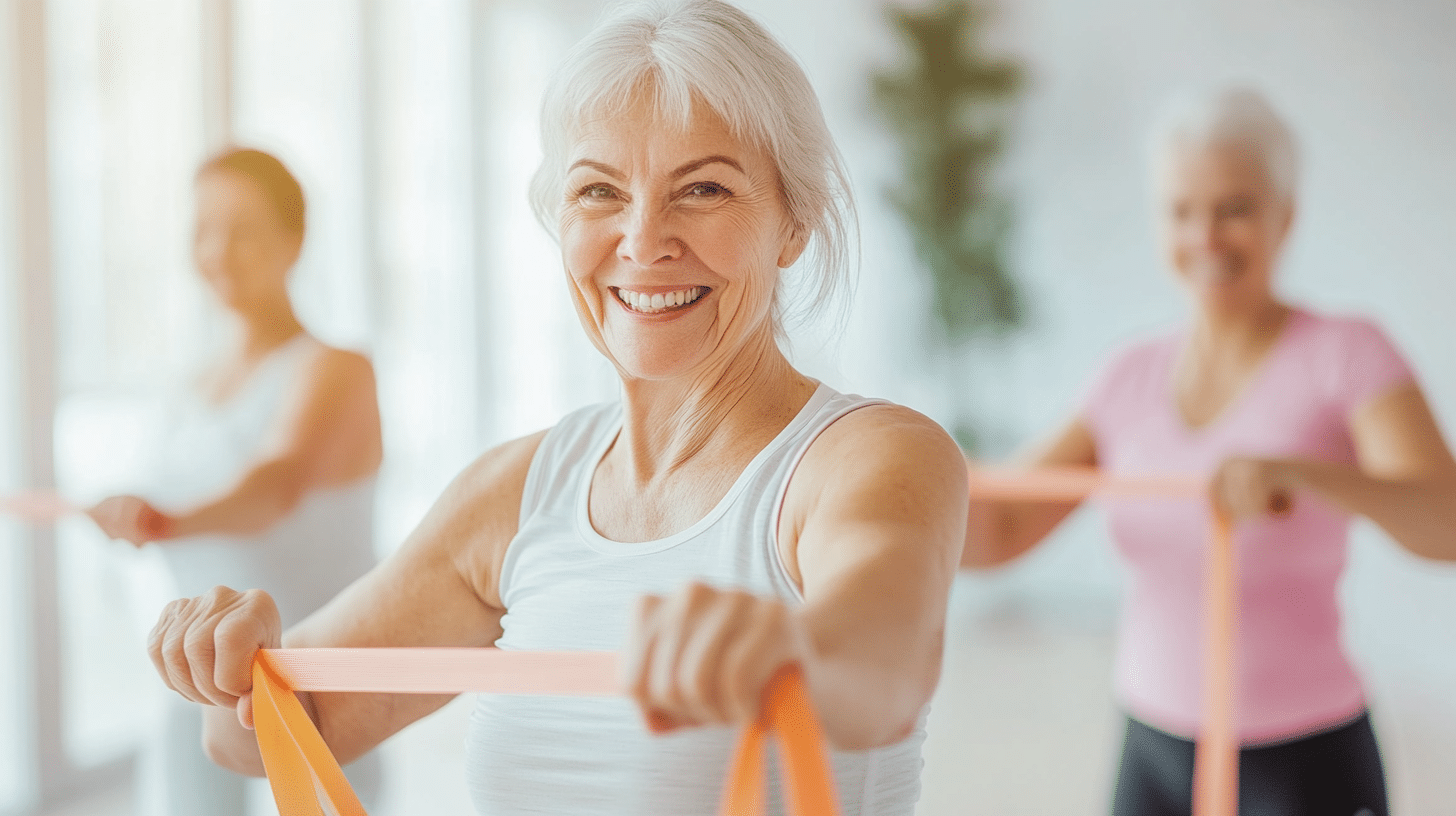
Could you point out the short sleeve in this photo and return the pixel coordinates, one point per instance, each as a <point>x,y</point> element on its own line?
<point>1115,389</point>
<point>1369,365</point>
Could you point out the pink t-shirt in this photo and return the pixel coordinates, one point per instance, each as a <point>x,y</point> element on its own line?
<point>1294,676</point>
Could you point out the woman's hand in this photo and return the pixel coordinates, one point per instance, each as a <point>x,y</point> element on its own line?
<point>705,656</point>
<point>203,647</point>
<point>131,519</point>
<point>1247,487</point>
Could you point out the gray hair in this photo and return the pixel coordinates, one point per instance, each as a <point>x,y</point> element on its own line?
<point>1235,116</point>
<point>711,52</point>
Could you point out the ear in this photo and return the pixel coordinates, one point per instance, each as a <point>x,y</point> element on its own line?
<point>794,244</point>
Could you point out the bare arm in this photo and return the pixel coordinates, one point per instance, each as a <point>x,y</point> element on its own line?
<point>438,589</point>
<point>330,436</point>
<point>877,544</point>
<point>1000,531</point>
<point>871,527</point>
<point>1405,480</point>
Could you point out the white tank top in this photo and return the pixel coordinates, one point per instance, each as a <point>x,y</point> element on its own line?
<point>565,587</point>
<point>305,559</point>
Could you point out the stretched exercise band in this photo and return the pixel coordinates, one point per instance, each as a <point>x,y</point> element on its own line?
<point>302,771</point>
<point>36,507</point>
<point>1216,757</point>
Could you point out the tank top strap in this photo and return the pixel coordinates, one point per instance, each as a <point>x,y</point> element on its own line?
<point>566,449</point>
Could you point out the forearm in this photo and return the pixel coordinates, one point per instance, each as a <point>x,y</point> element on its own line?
<point>875,664</point>
<point>263,497</point>
<point>999,532</point>
<point>1418,512</point>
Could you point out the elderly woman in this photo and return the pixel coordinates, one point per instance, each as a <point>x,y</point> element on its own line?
<point>727,517</point>
<point>266,474</point>
<point>1302,420</point>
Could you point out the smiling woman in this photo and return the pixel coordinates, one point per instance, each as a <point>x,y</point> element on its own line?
<point>727,518</point>
<point>1300,421</point>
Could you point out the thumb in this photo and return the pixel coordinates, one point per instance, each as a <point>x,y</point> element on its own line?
<point>245,710</point>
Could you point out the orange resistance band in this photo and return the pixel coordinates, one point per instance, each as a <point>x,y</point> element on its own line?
<point>304,773</point>
<point>36,507</point>
<point>1216,760</point>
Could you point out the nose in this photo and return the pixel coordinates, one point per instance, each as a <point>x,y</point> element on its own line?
<point>648,237</point>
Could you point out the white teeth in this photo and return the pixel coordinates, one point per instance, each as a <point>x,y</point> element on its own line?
<point>651,304</point>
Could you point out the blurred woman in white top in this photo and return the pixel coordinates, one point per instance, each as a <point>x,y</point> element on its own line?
<point>265,475</point>
<point>728,516</point>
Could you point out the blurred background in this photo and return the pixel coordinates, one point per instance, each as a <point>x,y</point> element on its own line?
<point>412,128</point>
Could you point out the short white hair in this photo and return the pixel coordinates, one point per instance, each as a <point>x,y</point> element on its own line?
<point>710,52</point>
<point>1237,116</point>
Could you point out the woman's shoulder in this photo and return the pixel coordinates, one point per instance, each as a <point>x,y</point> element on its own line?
<point>882,436</point>
<point>1340,330</point>
<point>1352,356</point>
<point>322,357</point>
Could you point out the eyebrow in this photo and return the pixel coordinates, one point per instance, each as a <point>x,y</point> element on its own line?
<point>692,166</point>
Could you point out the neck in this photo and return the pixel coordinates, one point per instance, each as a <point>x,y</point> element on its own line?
<point>1219,333</point>
<point>267,327</point>
<point>667,422</point>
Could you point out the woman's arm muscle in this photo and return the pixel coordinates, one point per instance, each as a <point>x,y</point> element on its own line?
<point>872,528</point>
<point>1406,479</point>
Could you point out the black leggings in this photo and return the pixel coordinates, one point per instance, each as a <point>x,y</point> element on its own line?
<point>1330,773</point>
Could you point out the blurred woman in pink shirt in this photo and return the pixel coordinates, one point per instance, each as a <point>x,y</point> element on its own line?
<point>1301,420</point>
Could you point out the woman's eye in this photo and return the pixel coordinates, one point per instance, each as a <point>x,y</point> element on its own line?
<point>706,190</point>
<point>596,192</point>
<point>1238,208</point>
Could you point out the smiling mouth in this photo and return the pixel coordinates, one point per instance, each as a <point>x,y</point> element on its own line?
<point>660,302</point>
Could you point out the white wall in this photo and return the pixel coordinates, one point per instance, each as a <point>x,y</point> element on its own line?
<point>1370,88</point>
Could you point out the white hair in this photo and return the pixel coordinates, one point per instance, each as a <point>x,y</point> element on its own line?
<point>712,53</point>
<point>1236,116</point>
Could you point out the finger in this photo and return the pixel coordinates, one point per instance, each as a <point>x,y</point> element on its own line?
<point>157,637</point>
<point>202,661</point>
<point>632,659</point>
<point>245,710</point>
<point>175,657</point>
<point>683,620</point>
<point>751,664</point>
<point>237,640</point>
<point>636,661</point>
<point>660,693</point>
<point>700,667</point>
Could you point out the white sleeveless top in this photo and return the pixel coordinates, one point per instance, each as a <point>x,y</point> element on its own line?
<point>565,587</point>
<point>303,560</point>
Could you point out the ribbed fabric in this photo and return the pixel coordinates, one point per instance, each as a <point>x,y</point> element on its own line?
<point>565,587</point>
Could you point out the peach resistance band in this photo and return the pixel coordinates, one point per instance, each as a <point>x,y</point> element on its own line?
<point>1216,758</point>
<point>304,773</point>
<point>36,507</point>
<point>295,755</point>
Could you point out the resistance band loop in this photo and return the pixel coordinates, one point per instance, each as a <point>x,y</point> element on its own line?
<point>305,774</point>
<point>1216,758</point>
